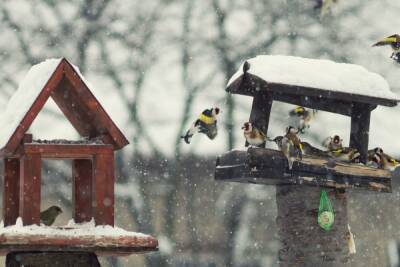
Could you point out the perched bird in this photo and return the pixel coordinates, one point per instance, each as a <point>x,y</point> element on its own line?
<point>290,145</point>
<point>380,160</point>
<point>333,143</point>
<point>346,154</point>
<point>206,124</point>
<point>394,42</point>
<point>48,216</point>
<point>301,118</point>
<point>310,150</point>
<point>254,136</point>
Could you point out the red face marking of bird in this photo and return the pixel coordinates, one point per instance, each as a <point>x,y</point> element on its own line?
<point>247,127</point>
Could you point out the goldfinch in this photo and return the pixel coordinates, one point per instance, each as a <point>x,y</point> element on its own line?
<point>301,118</point>
<point>206,124</point>
<point>333,143</point>
<point>253,135</point>
<point>290,145</point>
<point>324,6</point>
<point>394,42</point>
<point>346,154</point>
<point>48,216</point>
<point>310,150</point>
<point>378,159</point>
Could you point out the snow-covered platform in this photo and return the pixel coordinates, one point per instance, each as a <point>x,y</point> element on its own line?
<point>86,237</point>
<point>268,166</point>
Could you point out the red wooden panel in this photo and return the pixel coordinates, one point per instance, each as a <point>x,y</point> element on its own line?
<point>102,120</point>
<point>30,176</point>
<point>11,191</point>
<point>104,189</point>
<point>67,151</point>
<point>37,106</point>
<point>82,173</point>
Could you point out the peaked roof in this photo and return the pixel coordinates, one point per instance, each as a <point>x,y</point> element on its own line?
<point>59,79</point>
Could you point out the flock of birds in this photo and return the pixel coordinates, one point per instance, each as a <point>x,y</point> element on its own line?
<point>290,144</point>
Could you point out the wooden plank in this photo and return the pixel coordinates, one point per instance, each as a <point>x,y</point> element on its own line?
<point>11,191</point>
<point>253,83</point>
<point>30,178</point>
<point>104,189</point>
<point>51,258</point>
<point>267,166</point>
<point>260,111</point>
<point>101,119</point>
<point>101,245</point>
<point>359,134</point>
<point>82,175</point>
<point>33,112</point>
<point>77,151</point>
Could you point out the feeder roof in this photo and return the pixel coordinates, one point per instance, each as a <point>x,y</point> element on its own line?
<point>313,77</point>
<point>59,79</point>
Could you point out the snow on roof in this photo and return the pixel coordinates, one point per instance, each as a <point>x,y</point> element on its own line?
<point>317,73</point>
<point>71,230</point>
<point>26,94</point>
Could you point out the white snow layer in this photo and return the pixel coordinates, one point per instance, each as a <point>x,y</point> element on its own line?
<point>317,73</point>
<point>72,229</point>
<point>26,94</point>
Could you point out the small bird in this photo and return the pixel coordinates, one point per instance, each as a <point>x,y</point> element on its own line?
<point>310,150</point>
<point>301,118</point>
<point>333,143</point>
<point>290,145</point>
<point>206,124</point>
<point>346,154</point>
<point>380,160</point>
<point>394,42</point>
<point>48,216</point>
<point>254,136</point>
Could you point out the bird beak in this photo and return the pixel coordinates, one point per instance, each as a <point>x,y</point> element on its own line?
<point>243,127</point>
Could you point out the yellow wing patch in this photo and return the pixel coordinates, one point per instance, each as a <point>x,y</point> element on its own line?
<point>206,119</point>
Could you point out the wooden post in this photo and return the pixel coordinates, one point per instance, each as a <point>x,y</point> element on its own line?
<point>54,259</point>
<point>30,177</point>
<point>82,175</point>
<point>260,111</point>
<point>11,191</point>
<point>103,188</point>
<point>304,242</point>
<point>360,119</point>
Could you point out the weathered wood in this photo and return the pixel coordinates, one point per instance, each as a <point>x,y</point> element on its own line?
<point>29,194</point>
<point>267,166</point>
<point>303,241</point>
<point>360,120</point>
<point>77,103</point>
<point>11,191</point>
<point>104,189</point>
<point>101,245</point>
<point>52,259</point>
<point>260,111</point>
<point>253,83</point>
<point>82,188</point>
<point>60,151</point>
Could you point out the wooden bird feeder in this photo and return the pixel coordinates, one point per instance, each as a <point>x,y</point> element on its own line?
<point>297,202</point>
<point>92,162</point>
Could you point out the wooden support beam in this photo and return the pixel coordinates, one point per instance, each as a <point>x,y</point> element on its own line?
<point>260,111</point>
<point>103,194</point>
<point>11,191</point>
<point>360,120</point>
<point>54,259</point>
<point>30,177</point>
<point>75,151</point>
<point>82,188</point>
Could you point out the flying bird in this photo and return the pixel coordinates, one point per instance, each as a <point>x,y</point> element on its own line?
<point>254,136</point>
<point>324,6</point>
<point>301,118</point>
<point>394,42</point>
<point>206,124</point>
<point>48,216</point>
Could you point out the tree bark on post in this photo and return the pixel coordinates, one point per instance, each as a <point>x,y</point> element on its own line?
<point>304,242</point>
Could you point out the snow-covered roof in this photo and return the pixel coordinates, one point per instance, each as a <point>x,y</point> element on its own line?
<point>319,74</point>
<point>26,94</point>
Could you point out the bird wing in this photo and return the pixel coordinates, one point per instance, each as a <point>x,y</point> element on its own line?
<point>386,41</point>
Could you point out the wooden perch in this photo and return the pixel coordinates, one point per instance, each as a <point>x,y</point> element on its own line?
<point>267,166</point>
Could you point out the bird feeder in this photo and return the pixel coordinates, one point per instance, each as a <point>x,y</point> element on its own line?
<point>344,89</point>
<point>92,169</point>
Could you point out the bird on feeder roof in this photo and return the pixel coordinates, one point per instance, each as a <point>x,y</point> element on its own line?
<point>206,124</point>
<point>394,42</point>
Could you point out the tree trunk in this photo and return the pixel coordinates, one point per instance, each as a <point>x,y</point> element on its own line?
<point>304,242</point>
